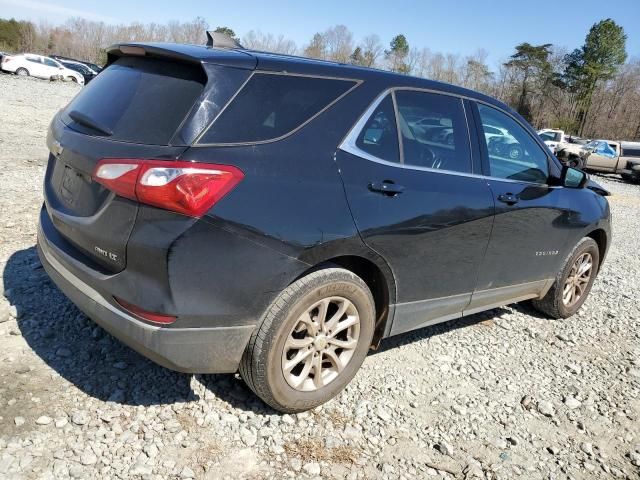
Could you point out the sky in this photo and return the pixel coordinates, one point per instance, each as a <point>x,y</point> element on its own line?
<point>459,27</point>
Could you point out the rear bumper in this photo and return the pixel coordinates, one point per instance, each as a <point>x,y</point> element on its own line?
<point>190,350</point>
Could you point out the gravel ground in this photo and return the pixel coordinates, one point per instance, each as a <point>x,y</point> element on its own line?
<point>502,394</point>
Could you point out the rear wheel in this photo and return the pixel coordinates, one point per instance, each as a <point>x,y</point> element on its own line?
<point>23,72</point>
<point>311,341</point>
<point>630,178</point>
<point>573,283</point>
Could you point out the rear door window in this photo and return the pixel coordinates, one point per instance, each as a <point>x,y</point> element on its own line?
<point>137,100</point>
<point>271,106</point>
<point>379,137</point>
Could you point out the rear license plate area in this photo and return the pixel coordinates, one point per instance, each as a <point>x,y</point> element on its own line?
<point>71,185</point>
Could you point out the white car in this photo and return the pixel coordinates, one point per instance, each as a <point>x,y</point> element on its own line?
<point>491,132</point>
<point>39,66</point>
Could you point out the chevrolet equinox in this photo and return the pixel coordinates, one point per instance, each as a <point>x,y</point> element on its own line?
<point>223,210</point>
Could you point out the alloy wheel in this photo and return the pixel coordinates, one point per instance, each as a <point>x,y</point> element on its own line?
<point>577,280</point>
<point>321,344</point>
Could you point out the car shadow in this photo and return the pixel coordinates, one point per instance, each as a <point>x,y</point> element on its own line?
<point>91,359</point>
<point>101,366</point>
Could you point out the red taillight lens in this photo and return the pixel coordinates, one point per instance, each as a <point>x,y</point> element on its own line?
<point>150,316</point>
<point>184,187</point>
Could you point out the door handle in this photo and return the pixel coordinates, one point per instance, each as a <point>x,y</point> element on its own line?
<point>386,187</point>
<point>508,198</point>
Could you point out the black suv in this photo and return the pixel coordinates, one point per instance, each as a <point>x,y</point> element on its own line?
<point>224,209</point>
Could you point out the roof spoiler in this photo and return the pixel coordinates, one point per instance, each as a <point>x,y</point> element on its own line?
<point>221,40</point>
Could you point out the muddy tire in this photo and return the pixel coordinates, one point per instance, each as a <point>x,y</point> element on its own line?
<point>311,341</point>
<point>573,282</point>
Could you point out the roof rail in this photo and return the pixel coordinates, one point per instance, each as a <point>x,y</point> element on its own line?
<point>221,40</point>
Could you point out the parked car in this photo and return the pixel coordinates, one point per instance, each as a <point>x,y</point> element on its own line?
<point>613,157</point>
<point>88,69</point>
<point>87,73</point>
<point>558,141</point>
<point>28,64</point>
<point>224,210</point>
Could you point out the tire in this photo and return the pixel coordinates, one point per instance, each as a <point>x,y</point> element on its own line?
<point>553,303</point>
<point>23,72</point>
<point>515,152</point>
<point>72,79</point>
<point>263,363</point>
<point>635,179</point>
<point>576,162</point>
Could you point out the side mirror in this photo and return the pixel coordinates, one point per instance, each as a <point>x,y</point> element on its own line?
<point>573,178</point>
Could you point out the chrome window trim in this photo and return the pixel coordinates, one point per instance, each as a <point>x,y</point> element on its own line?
<point>356,83</point>
<point>348,143</point>
<point>396,114</point>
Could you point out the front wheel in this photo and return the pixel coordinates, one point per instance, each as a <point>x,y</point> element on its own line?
<point>576,162</point>
<point>573,283</point>
<point>23,72</point>
<point>311,342</point>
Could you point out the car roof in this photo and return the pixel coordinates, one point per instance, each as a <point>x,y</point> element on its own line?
<point>254,59</point>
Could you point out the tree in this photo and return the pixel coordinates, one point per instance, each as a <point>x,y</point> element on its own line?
<point>531,63</point>
<point>226,31</point>
<point>371,50</point>
<point>317,48</point>
<point>357,58</point>
<point>598,60</point>
<point>256,40</point>
<point>397,54</point>
<point>338,41</point>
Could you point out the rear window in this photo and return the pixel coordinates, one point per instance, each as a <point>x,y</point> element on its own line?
<point>138,100</point>
<point>270,106</point>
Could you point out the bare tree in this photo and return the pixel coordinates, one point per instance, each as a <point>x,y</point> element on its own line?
<point>614,106</point>
<point>371,50</point>
<point>317,48</point>
<point>339,43</point>
<point>256,40</point>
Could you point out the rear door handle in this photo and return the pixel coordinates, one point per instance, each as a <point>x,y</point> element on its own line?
<point>508,198</point>
<point>386,188</point>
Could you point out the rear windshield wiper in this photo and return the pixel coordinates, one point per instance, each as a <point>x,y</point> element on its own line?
<point>82,119</point>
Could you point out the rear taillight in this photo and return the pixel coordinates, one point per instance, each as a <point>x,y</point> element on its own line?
<point>159,318</point>
<point>184,187</point>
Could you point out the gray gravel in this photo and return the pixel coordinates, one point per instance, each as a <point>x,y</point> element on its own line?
<point>503,394</point>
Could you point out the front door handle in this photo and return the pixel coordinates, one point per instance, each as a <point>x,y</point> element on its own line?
<point>508,198</point>
<point>387,187</point>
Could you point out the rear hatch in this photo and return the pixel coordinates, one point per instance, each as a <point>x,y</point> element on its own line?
<point>131,110</point>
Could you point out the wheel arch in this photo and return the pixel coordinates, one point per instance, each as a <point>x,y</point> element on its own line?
<point>378,277</point>
<point>600,237</point>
